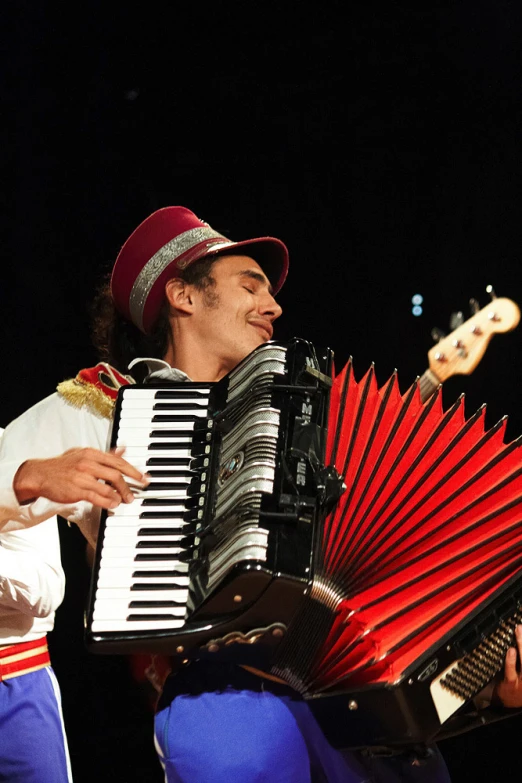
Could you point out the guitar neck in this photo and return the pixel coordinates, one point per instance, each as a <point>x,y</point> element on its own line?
<point>428,383</point>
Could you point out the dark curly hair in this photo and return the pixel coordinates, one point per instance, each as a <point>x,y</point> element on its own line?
<point>119,341</point>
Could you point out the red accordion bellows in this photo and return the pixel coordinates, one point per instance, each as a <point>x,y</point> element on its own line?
<point>430,525</point>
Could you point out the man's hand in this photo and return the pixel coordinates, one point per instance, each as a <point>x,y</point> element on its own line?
<point>78,474</point>
<point>509,690</point>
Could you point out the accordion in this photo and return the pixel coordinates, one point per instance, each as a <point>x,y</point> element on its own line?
<point>361,545</point>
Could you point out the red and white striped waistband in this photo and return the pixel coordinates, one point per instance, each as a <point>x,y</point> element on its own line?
<point>17,659</point>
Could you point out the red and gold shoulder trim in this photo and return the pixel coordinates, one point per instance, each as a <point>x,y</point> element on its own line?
<point>95,387</point>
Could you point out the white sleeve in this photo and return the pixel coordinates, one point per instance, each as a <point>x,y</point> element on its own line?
<point>48,429</point>
<point>31,577</point>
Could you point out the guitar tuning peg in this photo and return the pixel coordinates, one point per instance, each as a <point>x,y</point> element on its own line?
<point>474,306</point>
<point>437,334</point>
<point>491,291</point>
<point>456,320</point>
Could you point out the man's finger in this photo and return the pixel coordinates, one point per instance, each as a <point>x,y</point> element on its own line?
<point>121,486</point>
<point>510,668</point>
<point>116,461</point>
<point>518,637</point>
<point>103,502</point>
<point>114,479</point>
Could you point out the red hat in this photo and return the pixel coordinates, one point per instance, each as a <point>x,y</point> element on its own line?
<point>166,243</point>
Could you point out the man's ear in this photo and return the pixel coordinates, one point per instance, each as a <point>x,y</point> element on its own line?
<point>179,295</point>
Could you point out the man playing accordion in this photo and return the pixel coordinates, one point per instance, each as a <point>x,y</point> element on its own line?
<point>189,304</point>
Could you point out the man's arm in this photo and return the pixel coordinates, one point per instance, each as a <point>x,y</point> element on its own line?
<point>53,461</point>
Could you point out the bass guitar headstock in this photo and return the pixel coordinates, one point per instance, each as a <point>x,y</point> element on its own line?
<point>459,352</point>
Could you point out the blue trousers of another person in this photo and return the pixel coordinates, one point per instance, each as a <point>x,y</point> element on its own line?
<point>33,747</point>
<point>256,736</point>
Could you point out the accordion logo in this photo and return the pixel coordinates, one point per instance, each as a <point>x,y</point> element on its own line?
<point>429,670</point>
<point>231,467</point>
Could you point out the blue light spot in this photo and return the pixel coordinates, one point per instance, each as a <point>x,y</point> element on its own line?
<point>417,299</point>
<point>416,310</point>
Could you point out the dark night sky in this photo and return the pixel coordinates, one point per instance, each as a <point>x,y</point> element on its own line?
<point>380,141</point>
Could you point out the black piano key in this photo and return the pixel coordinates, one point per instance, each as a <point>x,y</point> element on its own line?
<point>158,574</point>
<point>163,502</point>
<point>156,486</point>
<point>183,543</point>
<point>200,447</point>
<point>144,586</point>
<point>153,618</point>
<point>188,512</point>
<point>166,531</point>
<point>153,461</point>
<point>165,433</point>
<point>172,417</point>
<point>155,604</point>
<point>173,473</point>
<point>172,394</point>
<point>160,531</point>
<point>180,557</point>
<point>177,406</point>
<point>164,515</point>
<point>171,446</point>
<point>199,463</point>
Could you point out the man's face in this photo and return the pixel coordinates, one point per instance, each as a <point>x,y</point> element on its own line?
<point>235,315</point>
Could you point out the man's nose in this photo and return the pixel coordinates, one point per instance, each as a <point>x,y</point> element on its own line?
<point>270,308</point>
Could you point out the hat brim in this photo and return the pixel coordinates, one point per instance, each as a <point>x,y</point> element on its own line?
<point>270,253</point>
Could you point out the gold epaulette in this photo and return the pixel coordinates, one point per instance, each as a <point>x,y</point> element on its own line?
<point>95,387</point>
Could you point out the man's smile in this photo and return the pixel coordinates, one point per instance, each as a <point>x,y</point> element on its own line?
<point>264,328</point>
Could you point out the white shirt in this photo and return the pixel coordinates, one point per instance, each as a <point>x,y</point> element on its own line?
<point>31,575</point>
<point>32,580</point>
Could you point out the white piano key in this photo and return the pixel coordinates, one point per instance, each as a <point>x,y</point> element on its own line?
<point>143,453</point>
<point>113,573</point>
<point>145,426</point>
<point>148,524</point>
<point>143,416</point>
<point>179,594</point>
<point>130,394</point>
<point>181,481</point>
<point>143,404</point>
<point>153,565</point>
<point>122,550</point>
<point>153,492</point>
<point>116,578</point>
<point>135,440</point>
<point>135,508</point>
<point>172,593</point>
<point>130,536</point>
<point>138,394</point>
<point>106,626</point>
<point>120,608</point>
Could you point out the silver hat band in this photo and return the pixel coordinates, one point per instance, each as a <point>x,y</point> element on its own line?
<point>165,256</point>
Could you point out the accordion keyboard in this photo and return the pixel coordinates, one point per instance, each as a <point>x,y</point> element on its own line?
<point>143,575</point>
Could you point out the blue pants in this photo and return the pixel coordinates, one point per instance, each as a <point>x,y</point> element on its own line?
<point>260,737</point>
<point>33,747</point>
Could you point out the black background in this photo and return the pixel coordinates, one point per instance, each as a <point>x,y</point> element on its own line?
<point>380,141</point>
